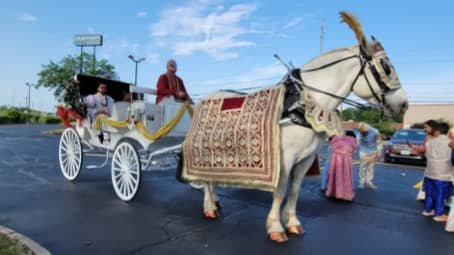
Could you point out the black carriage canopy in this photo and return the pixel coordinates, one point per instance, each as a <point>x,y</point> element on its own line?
<point>88,85</point>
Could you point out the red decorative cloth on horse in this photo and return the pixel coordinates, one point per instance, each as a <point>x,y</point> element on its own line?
<point>235,141</point>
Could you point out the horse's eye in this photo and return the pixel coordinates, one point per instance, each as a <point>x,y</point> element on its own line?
<point>385,67</point>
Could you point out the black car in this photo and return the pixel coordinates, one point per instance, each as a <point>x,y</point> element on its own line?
<point>398,148</point>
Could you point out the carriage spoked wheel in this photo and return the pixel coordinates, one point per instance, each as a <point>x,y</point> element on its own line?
<point>70,154</point>
<point>126,171</point>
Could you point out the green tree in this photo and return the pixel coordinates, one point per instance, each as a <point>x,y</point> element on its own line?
<point>372,117</point>
<point>56,75</point>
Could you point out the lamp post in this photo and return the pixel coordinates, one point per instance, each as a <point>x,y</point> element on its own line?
<point>137,61</point>
<point>29,85</point>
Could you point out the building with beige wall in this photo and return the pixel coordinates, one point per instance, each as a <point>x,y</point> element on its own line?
<point>419,113</point>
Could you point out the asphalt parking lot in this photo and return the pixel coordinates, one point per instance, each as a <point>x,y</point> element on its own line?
<point>85,217</point>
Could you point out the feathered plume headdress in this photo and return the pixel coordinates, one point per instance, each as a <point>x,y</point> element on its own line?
<point>353,23</point>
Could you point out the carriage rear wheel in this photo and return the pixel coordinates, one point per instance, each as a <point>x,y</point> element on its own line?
<point>126,171</point>
<point>70,154</point>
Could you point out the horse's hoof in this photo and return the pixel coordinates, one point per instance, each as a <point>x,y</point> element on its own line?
<point>211,214</point>
<point>295,230</point>
<point>278,237</point>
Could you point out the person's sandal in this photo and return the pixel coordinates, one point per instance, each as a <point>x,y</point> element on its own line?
<point>441,218</point>
<point>427,214</point>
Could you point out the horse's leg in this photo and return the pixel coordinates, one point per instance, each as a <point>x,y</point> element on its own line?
<point>209,201</point>
<point>273,222</point>
<point>289,212</point>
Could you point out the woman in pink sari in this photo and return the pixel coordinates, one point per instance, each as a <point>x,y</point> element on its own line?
<point>340,174</point>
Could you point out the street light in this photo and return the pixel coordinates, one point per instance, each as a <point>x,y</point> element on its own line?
<point>29,85</point>
<point>137,61</point>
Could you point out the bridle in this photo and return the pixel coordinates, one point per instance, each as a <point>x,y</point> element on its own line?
<point>365,62</point>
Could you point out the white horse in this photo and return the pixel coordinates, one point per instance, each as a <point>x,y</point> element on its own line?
<point>327,80</point>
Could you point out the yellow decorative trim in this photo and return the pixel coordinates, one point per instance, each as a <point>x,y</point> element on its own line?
<point>164,130</point>
<point>102,119</point>
<point>418,185</point>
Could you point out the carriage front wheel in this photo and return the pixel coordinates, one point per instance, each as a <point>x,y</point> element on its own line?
<point>70,154</point>
<point>126,171</point>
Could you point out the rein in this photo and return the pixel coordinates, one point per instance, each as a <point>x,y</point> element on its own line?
<point>364,61</point>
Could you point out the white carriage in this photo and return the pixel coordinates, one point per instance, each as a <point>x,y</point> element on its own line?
<point>139,131</point>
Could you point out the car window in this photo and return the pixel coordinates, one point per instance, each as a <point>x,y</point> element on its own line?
<point>401,135</point>
<point>409,135</point>
<point>418,135</point>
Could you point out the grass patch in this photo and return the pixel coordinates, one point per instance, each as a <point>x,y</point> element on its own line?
<point>16,115</point>
<point>11,247</point>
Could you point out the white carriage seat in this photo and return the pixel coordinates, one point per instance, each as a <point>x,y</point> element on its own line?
<point>120,110</point>
<point>170,108</point>
<point>119,113</point>
<point>153,117</point>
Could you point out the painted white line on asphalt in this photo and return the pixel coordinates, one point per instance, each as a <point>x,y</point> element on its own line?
<point>21,159</point>
<point>401,165</point>
<point>33,176</point>
<point>356,162</point>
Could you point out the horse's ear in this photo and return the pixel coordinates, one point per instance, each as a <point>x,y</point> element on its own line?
<point>354,24</point>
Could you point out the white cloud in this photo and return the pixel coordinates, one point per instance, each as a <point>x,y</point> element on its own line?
<point>200,26</point>
<point>27,17</point>
<point>151,55</point>
<point>141,14</point>
<point>262,76</point>
<point>293,22</point>
<point>153,58</point>
<point>298,20</point>
<point>119,47</point>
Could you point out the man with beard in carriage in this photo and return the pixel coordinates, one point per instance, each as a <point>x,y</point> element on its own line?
<point>170,85</point>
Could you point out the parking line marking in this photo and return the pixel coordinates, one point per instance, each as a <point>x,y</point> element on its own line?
<point>33,176</point>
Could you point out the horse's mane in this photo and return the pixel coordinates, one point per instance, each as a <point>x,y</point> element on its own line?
<point>330,56</point>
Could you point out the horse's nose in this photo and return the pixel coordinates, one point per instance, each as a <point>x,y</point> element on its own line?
<point>404,106</point>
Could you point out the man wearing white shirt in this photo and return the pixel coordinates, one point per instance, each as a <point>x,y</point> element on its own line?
<point>369,152</point>
<point>99,103</point>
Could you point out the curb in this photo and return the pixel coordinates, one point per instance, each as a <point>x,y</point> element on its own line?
<point>23,241</point>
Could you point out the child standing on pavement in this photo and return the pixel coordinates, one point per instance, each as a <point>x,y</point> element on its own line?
<point>422,149</point>
<point>437,177</point>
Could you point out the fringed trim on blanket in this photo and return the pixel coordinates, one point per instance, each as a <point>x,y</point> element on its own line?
<point>321,119</point>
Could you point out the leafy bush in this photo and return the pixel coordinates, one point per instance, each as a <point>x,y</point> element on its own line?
<point>19,115</point>
<point>372,117</point>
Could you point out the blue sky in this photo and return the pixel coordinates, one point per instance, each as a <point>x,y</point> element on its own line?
<point>222,44</point>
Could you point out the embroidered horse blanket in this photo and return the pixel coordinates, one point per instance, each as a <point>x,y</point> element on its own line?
<point>235,141</point>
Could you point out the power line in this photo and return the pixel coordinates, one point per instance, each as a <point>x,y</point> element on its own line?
<point>430,83</point>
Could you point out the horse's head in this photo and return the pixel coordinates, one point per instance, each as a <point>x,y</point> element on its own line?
<point>380,84</point>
